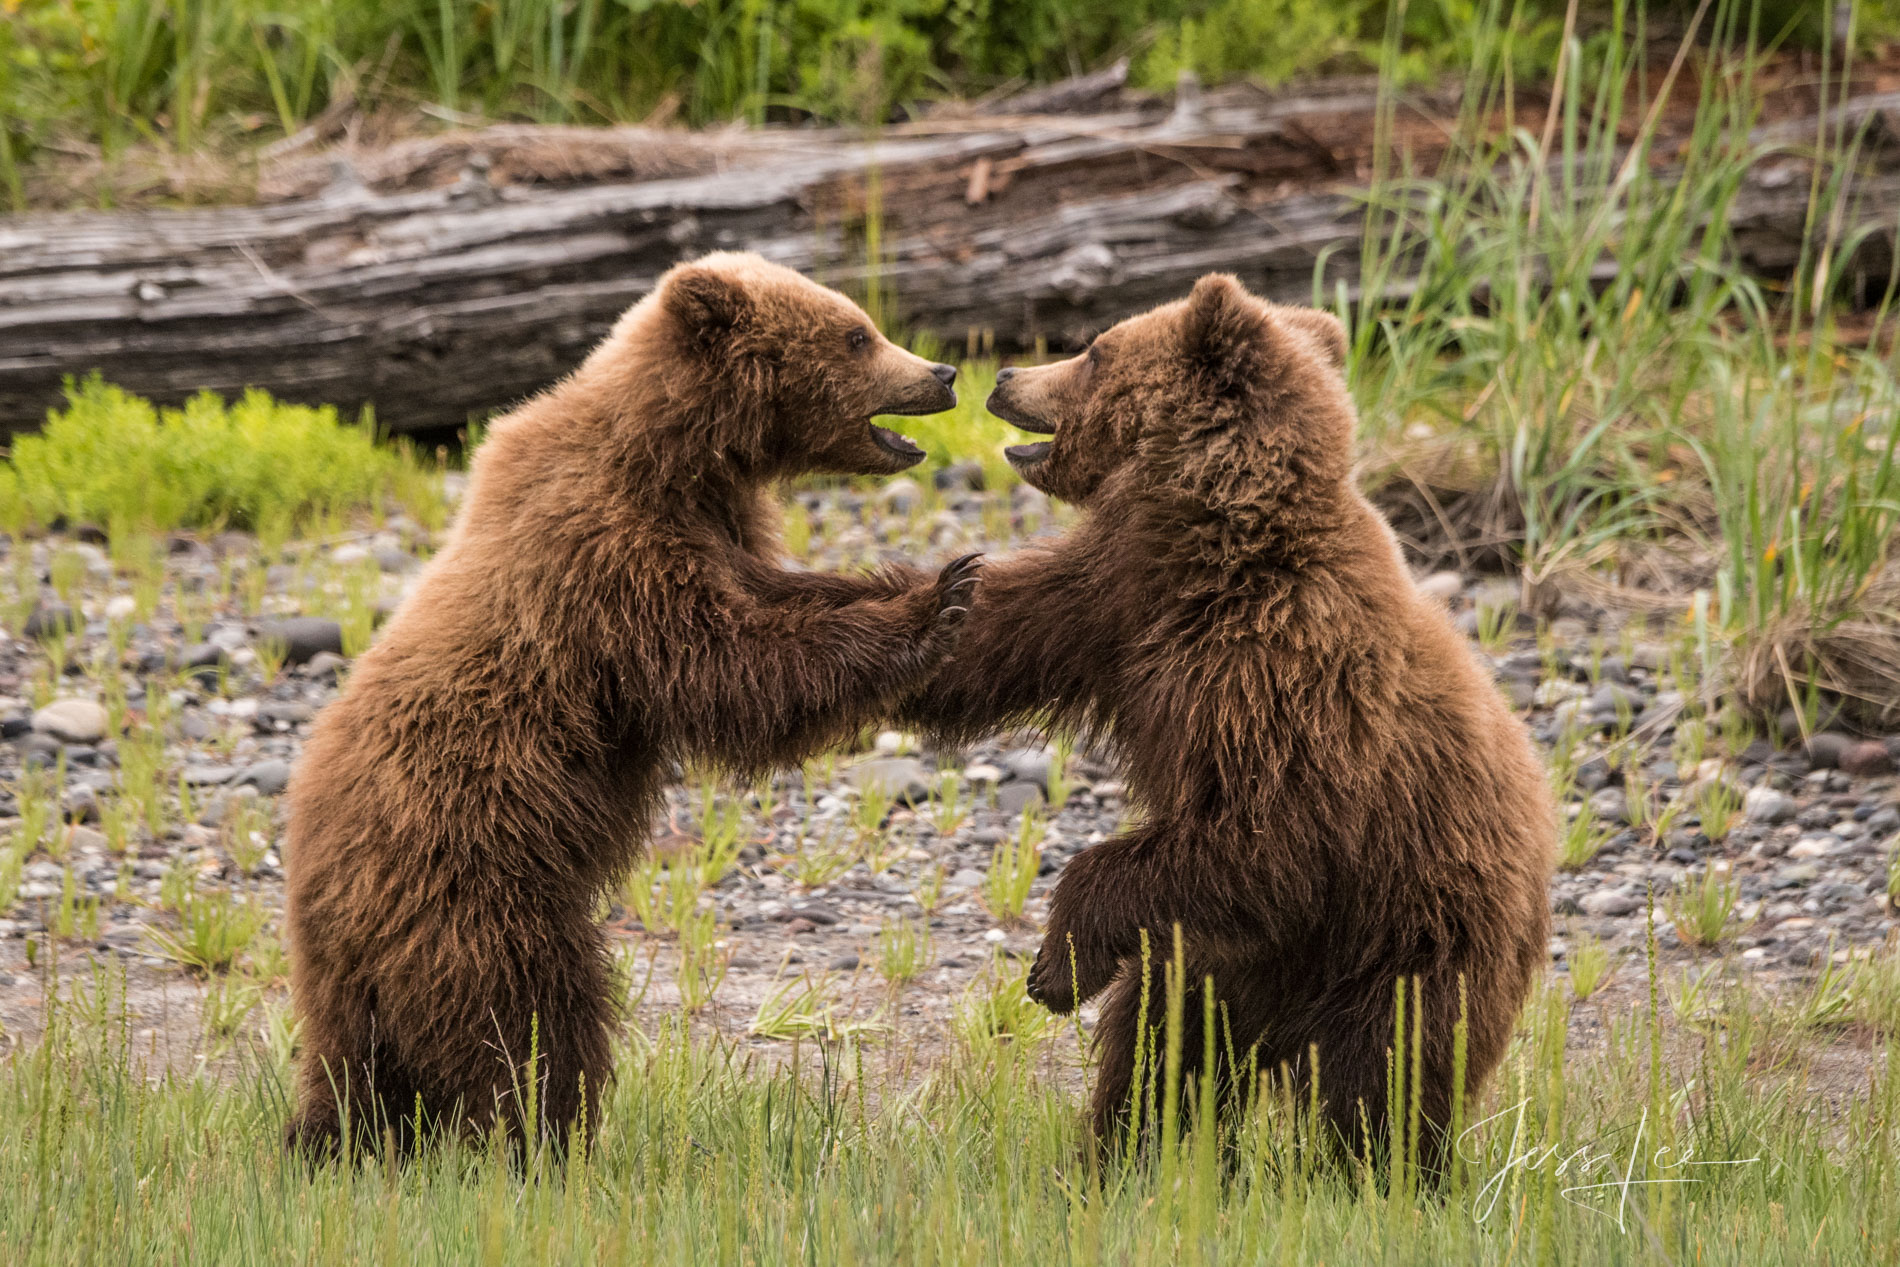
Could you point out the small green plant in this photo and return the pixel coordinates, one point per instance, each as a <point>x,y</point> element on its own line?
<point>805,1007</point>
<point>214,929</point>
<point>816,861</point>
<point>1718,804</point>
<point>112,458</point>
<point>1702,907</point>
<point>1582,840</point>
<point>996,1013</point>
<point>1497,624</point>
<point>902,950</point>
<point>1061,749</point>
<point>950,807</point>
<point>65,571</point>
<point>704,959</point>
<point>928,890</point>
<point>1590,967</point>
<point>1014,865</point>
<point>873,807</point>
<point>247,833</point>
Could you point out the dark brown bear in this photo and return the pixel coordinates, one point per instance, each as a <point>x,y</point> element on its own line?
<point>609,602</point>
<point>1329,793</point>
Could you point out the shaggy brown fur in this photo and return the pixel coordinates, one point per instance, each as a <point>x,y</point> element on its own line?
<point>1330,793</point>
<point>609,602</point>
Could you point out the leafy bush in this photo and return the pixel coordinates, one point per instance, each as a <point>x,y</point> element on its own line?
<point>112,458</point>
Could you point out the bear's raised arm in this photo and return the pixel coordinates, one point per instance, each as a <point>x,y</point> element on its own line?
<point>782,679</point>
<point>777,587</point>
<point>1036,646</point>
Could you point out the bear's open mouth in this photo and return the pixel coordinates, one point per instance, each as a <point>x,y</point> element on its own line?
<point>1024,455</point>
<point>999,404</point>
<point>895,443</point>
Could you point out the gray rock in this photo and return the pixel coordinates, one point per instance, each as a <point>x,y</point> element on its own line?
<point>901,778</point>
<point>304,637</point>
<point>843,963</point>
<point>282,714</point>
<point>1443,586</point>
<point>269,777</point>
<point>200,655</point>
<point>1795,876</point>
<point>325,665</point>
<point>392,559</point>
<point>208,775</point>
<point>1014,798</point>
<point>48,619</point>
<point>1609,696</point>
<point>81,804</point>
<point>901,496</point>
<point>1611,805</point>
<point>813,911</point>
<point>1612,903</point>
<point>38,751</point>
<point>965,878</point>
<point>72,720</point>
<point>1032,765</point>
<point>1824,750</point>
<point>1765,805</point>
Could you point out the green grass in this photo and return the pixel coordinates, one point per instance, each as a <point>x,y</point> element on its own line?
<point>186,74</point>
<point>1580,385</point>
<point>707,1152</point>
<point>113,460</point>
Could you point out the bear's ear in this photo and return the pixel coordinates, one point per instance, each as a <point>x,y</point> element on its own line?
<point>706,303</point>
<point>1224,327</point>
<point>1322,327</point>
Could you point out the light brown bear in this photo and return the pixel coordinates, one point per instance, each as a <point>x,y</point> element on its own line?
<point>1329,794</point>
<point>609,602</point>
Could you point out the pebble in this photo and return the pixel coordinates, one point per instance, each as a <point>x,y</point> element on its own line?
<point>304,637</point>
<point>1610,902</point>
<point>1014,798</point>
<point>324,667</point>
<point>72,720</point>
<point>900,778</point>
<point>1031,765</point>
<point>48,619</point>
<point>1765,805</point>
<point>270,778</point>
<point>1866,759</point>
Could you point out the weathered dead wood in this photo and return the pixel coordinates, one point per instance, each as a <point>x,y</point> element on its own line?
<point>441,303</point>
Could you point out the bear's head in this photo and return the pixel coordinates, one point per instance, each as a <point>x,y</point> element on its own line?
<point>1220,398</point>
<point>780,374</point>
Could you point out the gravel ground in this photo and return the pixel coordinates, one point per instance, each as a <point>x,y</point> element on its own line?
<point>1811,824</point>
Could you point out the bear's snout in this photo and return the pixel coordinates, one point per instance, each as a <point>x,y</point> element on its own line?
<point>946,374</point>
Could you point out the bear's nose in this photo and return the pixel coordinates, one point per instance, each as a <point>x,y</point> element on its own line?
<point>946,374</point>
<point>1005,374</point>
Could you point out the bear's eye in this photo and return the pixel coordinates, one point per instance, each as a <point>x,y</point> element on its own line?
<point>858,339</point>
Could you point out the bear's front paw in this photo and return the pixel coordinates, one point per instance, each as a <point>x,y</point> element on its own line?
<point>955,589</point>
<point>1059,980</point>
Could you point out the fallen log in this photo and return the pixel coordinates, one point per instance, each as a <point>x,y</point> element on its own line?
<point>437,304</point>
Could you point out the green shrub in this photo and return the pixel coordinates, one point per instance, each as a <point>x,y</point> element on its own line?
<point>111,458</point>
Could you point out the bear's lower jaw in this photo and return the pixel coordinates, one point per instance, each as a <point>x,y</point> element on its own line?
<point>896,444</point>
<point>1025,456</point>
